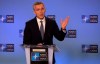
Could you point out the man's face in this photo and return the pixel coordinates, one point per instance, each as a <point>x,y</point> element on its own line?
<point>39,10</point>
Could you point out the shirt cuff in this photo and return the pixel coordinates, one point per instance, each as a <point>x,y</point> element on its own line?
<point>64,30</point>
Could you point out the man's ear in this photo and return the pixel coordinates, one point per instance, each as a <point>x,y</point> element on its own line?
<point>34,12</point>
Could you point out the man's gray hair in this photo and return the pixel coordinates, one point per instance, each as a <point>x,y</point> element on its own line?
<point>37,3</point>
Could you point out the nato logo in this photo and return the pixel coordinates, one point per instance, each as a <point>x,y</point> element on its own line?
<point>6,47</point>
<point>2,18</point>
<point>51,17</point>
<point>21,33</point>
<point>71,34</point>
<point>6,18</point>
<point>2,47</point>
<point>90,18</point>
<point>10,18</point>
<point>35,56</point>
<point>90,48</point>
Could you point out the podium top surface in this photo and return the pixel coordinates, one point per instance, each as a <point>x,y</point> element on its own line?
<point>32,46</point>
<point>41,46</point>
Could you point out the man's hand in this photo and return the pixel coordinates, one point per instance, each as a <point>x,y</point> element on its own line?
<point>39,45</point>
<point>64,22</point>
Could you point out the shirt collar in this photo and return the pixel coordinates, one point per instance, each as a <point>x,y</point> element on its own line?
<point>38,20</point>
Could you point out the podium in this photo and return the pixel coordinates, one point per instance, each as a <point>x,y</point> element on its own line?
<point>36,54</point>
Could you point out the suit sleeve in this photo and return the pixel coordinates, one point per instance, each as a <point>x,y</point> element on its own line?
<point>27,34</point>
<point>59,34</point>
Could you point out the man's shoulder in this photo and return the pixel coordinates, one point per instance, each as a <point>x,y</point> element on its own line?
<point>50,20</point>
<point>31,20</point>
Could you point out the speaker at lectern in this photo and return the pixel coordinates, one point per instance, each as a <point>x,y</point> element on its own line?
<point>36,54</point>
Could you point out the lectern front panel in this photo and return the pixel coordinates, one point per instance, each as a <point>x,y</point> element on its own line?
<point>39,55</point>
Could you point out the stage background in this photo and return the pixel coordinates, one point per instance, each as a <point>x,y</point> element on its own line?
<point>70,48</point>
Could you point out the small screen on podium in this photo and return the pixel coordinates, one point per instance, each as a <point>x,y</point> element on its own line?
<point>39,50</point>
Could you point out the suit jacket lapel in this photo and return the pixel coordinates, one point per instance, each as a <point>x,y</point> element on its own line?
<point>37,28</point>
<point>46,27</point>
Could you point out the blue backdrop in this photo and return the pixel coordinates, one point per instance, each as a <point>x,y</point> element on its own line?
<point>70,48</point>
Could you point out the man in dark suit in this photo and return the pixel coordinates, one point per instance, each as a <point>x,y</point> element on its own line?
<point>32,31</point>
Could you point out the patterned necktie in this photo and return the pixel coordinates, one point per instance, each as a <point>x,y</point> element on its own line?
<point>42,29</point>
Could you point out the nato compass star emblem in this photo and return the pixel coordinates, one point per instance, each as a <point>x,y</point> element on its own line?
<point>85,48</point>
<point>35,56</point>
<point>21,33</point>
<point>2,47</point>
<point>2,18</point>
<point>85,18</point>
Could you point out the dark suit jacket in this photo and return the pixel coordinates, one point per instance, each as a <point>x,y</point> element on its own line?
<point>32,35</point>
